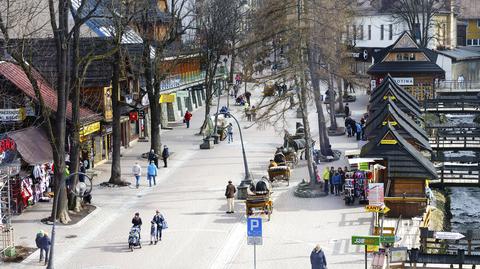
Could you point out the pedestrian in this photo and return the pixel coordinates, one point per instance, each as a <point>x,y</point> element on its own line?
<point>342,177</point>
<point>317,258</point>
<point>248,95</point>
<point>153,232</point>
<point>230,133</point>
<point>238,79</point>
<point>326,178</point>
<point>153,157</point>
<point>137,222</point>
<point>159,220</point>
<point>151,173</point>
<point>230,195</point>
<point>336,180</point>
<point>358,129</point>
<point>272,164</point>
<point>253,113</point>
<point>43,243</point>
<point>165,155</point>
<point>348,127</point>
<point>461,81</point>
<point>187,117</point>
<point>347,110</point>
<point>137,172</point>
<point>332,186</point>
<point>82,170</point>
<point>248,112</point>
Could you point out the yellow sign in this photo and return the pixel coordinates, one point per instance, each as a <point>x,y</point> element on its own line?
<point>393,123</point>
<point>377,209</point>
<point>371,248</point>
<point>167,98</point>
<point>90,129</point>
<point>388,142</point>
<point>107,103</point>
<point>391,97</point>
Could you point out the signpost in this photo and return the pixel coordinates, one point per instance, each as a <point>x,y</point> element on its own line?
<point>254,233</point>
<point>370,242</point>
<point>448,236</point>
<point>377,209</point>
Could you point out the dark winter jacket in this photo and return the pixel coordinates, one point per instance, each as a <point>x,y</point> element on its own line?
<point>137,222</point>
<point>318,260</point>
<point>165,153</point>
<point>45,242</point>
<point>38,238</point>
<point>230,191</point>
<point>158,219</point>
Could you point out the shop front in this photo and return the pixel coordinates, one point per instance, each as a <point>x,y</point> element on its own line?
<point>88,133</point>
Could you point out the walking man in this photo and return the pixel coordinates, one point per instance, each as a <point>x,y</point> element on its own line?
<point>165,155</point>
<point>187,118</point>
<point>332,173</point>
<point>230,194</point>
<point>159,220</point>
<point>230,133</point>
<point>137,172</point>
<point>152,173</point>
<point>43,242</point>
<point>248,95</point>
<point>347,110</point>
<point>317,258</point>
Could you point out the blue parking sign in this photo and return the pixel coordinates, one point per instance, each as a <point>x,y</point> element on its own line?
<point>254,227</point>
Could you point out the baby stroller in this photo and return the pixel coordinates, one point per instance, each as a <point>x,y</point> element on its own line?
<point>134,238</point>
<point>349,191</point>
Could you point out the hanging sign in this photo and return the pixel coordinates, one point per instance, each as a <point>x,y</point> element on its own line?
<point>388,142</point>
<point>375,194</point>
<point>12,115</point>
<point>90,129</point>
<point>107,103</point>
<point>167,98</point>
<point>404,81</point>
<point>363,166</point>
<point>182,94</point>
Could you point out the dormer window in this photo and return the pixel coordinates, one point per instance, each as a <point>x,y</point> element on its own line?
<point>406,56</point>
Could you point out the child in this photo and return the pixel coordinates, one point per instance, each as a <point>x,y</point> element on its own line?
<point>153,232</point>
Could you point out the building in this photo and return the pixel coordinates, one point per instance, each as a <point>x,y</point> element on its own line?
<point>411,66</point>
<point>469,23</point>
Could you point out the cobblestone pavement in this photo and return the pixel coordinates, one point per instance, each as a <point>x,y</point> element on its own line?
<point>190,193</point>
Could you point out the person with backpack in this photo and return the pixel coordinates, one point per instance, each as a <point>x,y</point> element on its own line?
<point>165,155</point>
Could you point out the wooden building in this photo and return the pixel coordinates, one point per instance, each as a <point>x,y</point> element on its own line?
<point>391,114</point>
<point>407,172</point>
<point>410,65</point>
<point>390,90</point>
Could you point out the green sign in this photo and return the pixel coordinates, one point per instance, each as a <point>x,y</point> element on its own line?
<point>363,166</point>
<point>387,239</point>
<point>366,240</point>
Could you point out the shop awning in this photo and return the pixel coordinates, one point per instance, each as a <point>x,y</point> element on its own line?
<point>33,145</point>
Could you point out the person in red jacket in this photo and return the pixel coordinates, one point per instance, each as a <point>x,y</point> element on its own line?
<point>187,118</point>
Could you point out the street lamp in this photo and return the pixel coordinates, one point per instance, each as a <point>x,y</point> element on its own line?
<point>242,188</point>
<point>81,189</point>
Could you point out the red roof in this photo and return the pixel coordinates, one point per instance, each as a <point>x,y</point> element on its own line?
<point>15,75</point>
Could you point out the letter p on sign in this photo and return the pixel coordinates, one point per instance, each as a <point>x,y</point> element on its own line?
<point>254,227</point>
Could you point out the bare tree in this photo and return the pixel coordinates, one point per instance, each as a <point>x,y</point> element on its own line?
<point>419,17</point>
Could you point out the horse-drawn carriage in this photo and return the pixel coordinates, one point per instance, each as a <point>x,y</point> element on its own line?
<point>259,198</point>
<point>279,173</point>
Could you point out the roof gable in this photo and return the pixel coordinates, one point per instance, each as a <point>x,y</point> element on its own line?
<point>405,41</point>
<point>404,161</point>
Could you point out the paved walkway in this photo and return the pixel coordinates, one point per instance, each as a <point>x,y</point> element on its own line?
<point>190,194</point>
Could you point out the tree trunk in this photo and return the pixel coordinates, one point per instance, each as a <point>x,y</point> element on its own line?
<point>116,173</point>
<point>333,120</point>
<point>340,95</point>
<point>324,141</point>
<point>209,76</point>
<point>302,97</point>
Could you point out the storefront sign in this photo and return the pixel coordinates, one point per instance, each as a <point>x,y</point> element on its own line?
<point>366,240</point>
<point>376,194</point>
<point>167,98</point>
<point>182,94</point>
<point>133,116</point>
<point>363,166</point>
<point>12,115</point>
<point>90,129</point>
<point>388,142</point>
<point>107,103</point>
<point>404,81</point>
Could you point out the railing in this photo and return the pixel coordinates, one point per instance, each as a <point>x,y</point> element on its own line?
<point>457,86</point>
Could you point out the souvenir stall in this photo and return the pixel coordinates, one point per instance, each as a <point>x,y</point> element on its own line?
<point>358,177</point>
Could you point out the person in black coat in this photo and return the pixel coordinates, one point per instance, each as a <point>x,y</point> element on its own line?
<point>137,221</point>
<point>165,155</point>
<point>317,258</point>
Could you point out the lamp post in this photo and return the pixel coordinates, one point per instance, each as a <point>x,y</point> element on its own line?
<point>242,188</point>
<point>79,190</point>
<point>219,94</point>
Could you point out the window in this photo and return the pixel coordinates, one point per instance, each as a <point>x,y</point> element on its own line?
<point>475,42</point>
<point>369,32</point>
<point>360,33</point>
<point>478,23</point>
<point>405,57</point>
<point>469,42</point>
<point>412,56</point>
<point>381,32</point>
<point>390,32</point>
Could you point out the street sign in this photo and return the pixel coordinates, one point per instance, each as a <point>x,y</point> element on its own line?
<point>371,249</point>
<point>377,209</point>
<point>254,227</point>
<point>255,240</point>
<point>366,240</point>
<point>448,236</point>
<point>387,239</point>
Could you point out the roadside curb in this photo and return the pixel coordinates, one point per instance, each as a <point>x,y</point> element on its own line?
<point>85,219</point>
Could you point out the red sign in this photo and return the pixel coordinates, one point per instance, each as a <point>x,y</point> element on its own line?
<point>6,144</point>
<point>133,116</point>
